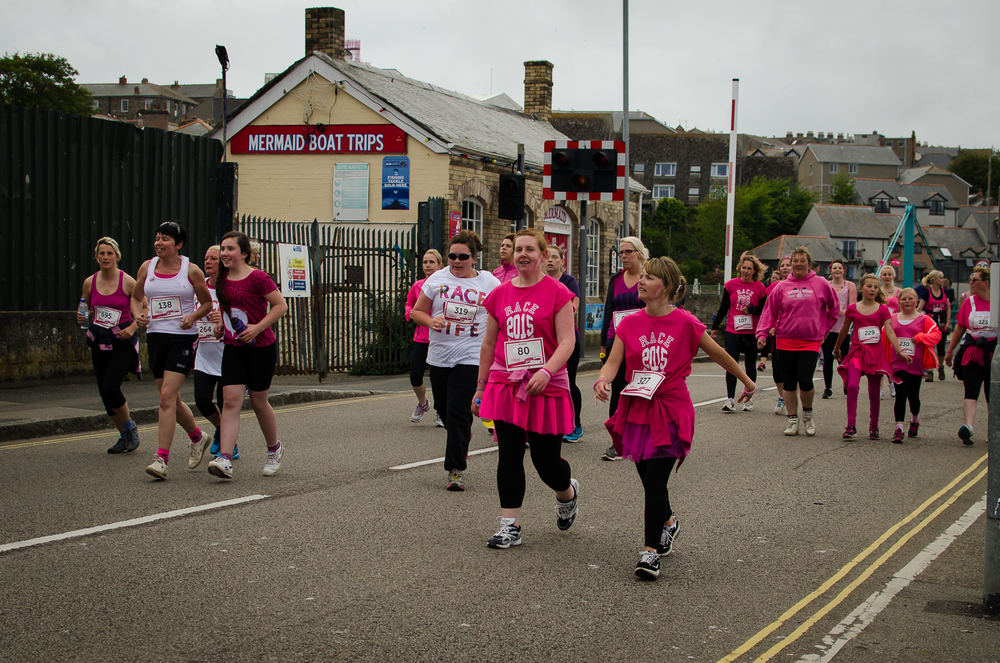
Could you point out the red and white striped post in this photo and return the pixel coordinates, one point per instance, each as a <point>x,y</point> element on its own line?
<point>731,197</point>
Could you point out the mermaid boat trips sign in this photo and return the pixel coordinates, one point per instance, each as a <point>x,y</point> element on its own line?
<point>321,139</point>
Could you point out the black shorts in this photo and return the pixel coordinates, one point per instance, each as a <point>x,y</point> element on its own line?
<point>170,352</point>
<point>249,365</point>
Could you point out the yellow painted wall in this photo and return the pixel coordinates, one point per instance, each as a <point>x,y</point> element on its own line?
<point>299,187</point>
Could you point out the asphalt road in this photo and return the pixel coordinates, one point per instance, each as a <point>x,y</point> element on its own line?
<point>355,551</point>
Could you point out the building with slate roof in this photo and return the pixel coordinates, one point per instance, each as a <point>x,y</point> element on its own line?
<point>861,235</point>
<point>821,164</point>
<point>125,101</point>
<point>823,249</point>
<point>940,177</point>
<point>934,204</point>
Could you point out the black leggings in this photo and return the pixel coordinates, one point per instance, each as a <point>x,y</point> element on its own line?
<point>828,361</point>
<point>574,391</point>
<point>617,385</point>
<point>797,368</point>
<point>111,369</point>
<point>453,391</point>
<point>735,344</point>
<point>552,469</point>
<point>418,363</point>
<point>975,376</point>
<point>204,385</point>
<point>654,474</point>
<point>907,390</point>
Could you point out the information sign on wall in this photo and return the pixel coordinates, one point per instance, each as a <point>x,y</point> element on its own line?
<point>454,223</point>
<point>350,192</point>
<point>294,270</point>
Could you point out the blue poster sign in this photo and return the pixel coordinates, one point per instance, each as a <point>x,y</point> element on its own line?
<point>595,317</point>
<point>396,183</point>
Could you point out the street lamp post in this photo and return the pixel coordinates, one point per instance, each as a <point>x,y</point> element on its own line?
<point>220,52</point>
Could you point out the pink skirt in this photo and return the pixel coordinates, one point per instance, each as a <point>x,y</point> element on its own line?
<point>868,358</point>
<point>548,414</point>
<point>638,445</point>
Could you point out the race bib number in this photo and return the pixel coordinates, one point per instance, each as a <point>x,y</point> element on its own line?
<point>743,322</point>
<point>460,313</point>
<point>643,384</point>
<point>165,308</point>
<point>980,322</point>
<point>206,332</point>
<point>620,315</point>
<point>106,317</point>
<point>906,346</point>
<point>869,335</point>
<point>524,354</point>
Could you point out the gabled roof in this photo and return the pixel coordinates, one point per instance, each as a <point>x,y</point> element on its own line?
<point>856,221</point>
<point>195,127</point>
<point>913,174</point>
<point>443,120</point>
<point>863,155</point>
<point>956,240</point>
<point>915,194</point>
<point>129,90</point>
<point>823,249</point>
<point>985,220</point>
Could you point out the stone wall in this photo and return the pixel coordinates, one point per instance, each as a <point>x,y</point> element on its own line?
<point>42,344</point>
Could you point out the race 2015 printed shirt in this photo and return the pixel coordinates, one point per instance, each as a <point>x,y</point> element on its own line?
<point>460,303</point>
<point>743,295</point>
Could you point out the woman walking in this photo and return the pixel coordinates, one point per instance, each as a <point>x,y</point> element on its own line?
<point>431,263</point>
<point>114,346</point>
<point>917,334</point>
<point>801,309</point>
<point>847,293</point>
<point>250,303</point>
<point>742,301</point>
<point>554,266</point>
<point>524,385</point>
<point>172,285</point>
<point>451,305</point>
<point>654,423</point>
<point>936,303</point>
<point>979,340</point>
<point>622,299</point>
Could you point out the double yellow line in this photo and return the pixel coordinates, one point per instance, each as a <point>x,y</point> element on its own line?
<point>865,574</point>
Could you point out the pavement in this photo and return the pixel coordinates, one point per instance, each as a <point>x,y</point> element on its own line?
<point>938,616</point>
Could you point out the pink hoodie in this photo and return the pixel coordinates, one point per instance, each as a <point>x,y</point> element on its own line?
<point>803,309</point>
<point>505,272</point>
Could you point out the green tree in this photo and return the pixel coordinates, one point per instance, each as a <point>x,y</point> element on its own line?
<point>666,231</point>
<point>43,81</point>
<point>973,167</point>
<point>842,192</point>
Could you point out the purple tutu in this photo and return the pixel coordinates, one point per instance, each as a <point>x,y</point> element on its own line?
<point>638,445</point>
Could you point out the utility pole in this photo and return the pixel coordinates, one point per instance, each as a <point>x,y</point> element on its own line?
<point>625,212</point>
<point>991,567</point>
<point>731,197</point>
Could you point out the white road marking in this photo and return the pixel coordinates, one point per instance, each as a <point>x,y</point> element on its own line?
<point>7,547</point>
<point>864,614</point>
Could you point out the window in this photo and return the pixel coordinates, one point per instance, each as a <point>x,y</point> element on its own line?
<point>639,168</point>
<point>665,169</point>
<point>696,170</point>
<point>849,247</point>
<point>593,257</point>
<point>168,105</point>
<point>833,167</point>
<point>96,104</point>
<point>720,170</point>
<point>888,143</point>
<point>520,225</point>
<point>472,219</point>
<point>918,247</point>
<point>124,105</point>
<point>850,272</point>
<point>810,169</point>
<point>663,191</point>
<point>693,192</point>
<point>881,205</point>
<point>147,103</point>
<point>620,234</point>
<point>853,168</point>
<point>937,207</point>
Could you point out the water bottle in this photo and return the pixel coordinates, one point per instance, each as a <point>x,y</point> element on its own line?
<point>85,313</point>
<point>240,327</point>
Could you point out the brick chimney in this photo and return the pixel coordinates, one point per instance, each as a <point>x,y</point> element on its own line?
<point>122,81</point>
<point>538,89</point>
<point>325,31</point>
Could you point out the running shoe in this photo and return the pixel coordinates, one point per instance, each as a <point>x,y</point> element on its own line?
<point>668,537</point>
<point>912,432</point>
<point>157,468</point>
<point>272,462</point>
<point>236,452</point>
<point>808,423</point>
<point>881,394</point>
<point>221,467</point>
<point>872,432</point>
<point>748,405</point>
<point>648,566</point>
<point>892,390</point>
<point>827,394</point>
<point>761,366</point>
<point>216,443</point>
<point>566,511</point>
<point>437,422</point>
<point>508,535</point>
<point>929,376</point>
<point>574,436</point>
<point>455,481</point>
<point>418,413</point>
<point>198,450</point>
<point>793,426</point>
<point>851,433</point>
<point>132,439</point>
<point>610,454</point>
<point>779,406</point>
<point>729,405</point>
<point>965,434</point>
<point>941,373</point>
<point>897,437</point>
<point>120,446</point>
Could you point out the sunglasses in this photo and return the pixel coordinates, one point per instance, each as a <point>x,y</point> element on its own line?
<point>171,224</point>
<point>459,256</point>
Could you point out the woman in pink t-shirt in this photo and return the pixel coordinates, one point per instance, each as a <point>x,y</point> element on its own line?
<point>917,334</point>
<point>972,363</point>
<point>431,263</point>
<point>654,423</point>
<point>524,386</point>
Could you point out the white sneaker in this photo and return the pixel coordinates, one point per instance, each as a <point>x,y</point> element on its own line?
<point>748,406</point>
<point>793,426</point>
<point>198,450</point>
<point>157,468</point>
<point>892,389</point>
<point>729,405</point>
<point>808,423</point>
<point>221,467</point>
<point>272,463</point>
<point>437,422</point>
<point>779,407</point>
<point>418,413</point>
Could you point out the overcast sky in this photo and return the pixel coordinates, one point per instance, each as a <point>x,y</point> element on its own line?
<point>852,66</point>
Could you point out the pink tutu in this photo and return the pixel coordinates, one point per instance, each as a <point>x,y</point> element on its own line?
<point>869,358</point>
<point>546,413</point>
<point>637,443</point>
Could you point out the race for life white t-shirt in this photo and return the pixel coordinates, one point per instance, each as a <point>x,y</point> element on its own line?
<point>460,302</point>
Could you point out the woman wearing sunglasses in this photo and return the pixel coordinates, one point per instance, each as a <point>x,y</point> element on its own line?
<point>451,306</point>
